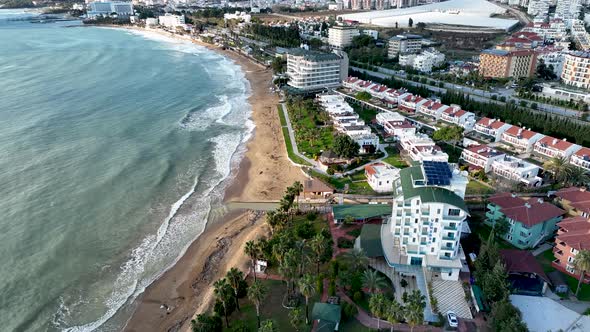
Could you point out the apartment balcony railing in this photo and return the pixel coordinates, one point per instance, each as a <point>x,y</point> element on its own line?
<point>450,228</point>
<point>448,238</point>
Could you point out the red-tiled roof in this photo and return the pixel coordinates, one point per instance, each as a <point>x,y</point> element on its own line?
<point>351,79</point>
<point>554,143</point>
<point>517,131</point>
<point>483,150</point>
<point>576,233</point>
<point>522,261</point>
<point>529,212</point>
<point>490,123</point>
<point>402,125</point>
<point>583,152</point>
<point>579,198</point>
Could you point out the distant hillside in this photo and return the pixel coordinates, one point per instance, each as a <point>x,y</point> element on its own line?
<point>29,3</point>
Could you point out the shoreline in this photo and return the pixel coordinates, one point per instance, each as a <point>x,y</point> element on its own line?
<point>262,175</point>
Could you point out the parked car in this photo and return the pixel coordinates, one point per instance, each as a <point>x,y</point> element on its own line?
<point>453,320</point>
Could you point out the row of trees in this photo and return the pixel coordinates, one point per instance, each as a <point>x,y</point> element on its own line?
<point>276,36</point>
<point>543,122</point>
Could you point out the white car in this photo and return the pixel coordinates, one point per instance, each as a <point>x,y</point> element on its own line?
<point>453,320</point>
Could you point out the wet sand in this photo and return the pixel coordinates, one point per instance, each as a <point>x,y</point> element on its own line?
<point>263,175</point>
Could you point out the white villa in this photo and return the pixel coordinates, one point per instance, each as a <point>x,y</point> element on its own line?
<point>420,147</point>
<point>381,177</point>
<point>491,127</point>
<point>395,125</point>
<point>521,138</point>
<point>433,108</point>
<point>481,156</point>
<point>459,117</point>
<point>581,158</point>
<point>550,147</point>
<point>517,170</point>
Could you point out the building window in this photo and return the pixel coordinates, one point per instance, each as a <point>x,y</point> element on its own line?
<point>454,212</point>
<point>573,251</point>
<point>433,240</point>
<point>570,259</point>
<point>431,249</point>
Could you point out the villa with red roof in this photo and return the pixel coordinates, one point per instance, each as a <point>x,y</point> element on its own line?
<point>410,103</point>
<point>481,157</point>
<point>575,200</point>
<point>395,124</point>
<point>350,82</point>
<point>420,147</point>
<point>521,138</point>
<point>581,158</point>
<point>432,108</point>
<point>459,117</point>
<point>531,221</point>
<point>381,176</point>
<point>573,236</point>
<point>491,127</point>
<point>378,91</point>
<point>551,147</point>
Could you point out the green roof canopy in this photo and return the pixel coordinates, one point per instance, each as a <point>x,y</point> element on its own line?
<point>361,211</point>
<point>371,240</point>
<point>326,312</point>
<point>427,194</point>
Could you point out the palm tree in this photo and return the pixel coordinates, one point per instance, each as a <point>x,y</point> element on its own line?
<point>373,281</point>
<point>394,313</point>
<point>288,268</point>
<point>414,310</point>
<point>377,304</point>
<point>559,168</point>
<point>318,247</point>
<point>303,256</point>
<point>581,265</point>
<point>297,190</point>
<point>252,250</point>
<point>578,176</point>
<point>272,220</point>
<point>234,278</point>
<point>256,293</point>
<point>356,259</point>
<point>307,289</point>
<point>222,291</point>
<point>296,318</point>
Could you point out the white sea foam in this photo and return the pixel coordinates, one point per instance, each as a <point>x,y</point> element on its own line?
<point>176,227</point>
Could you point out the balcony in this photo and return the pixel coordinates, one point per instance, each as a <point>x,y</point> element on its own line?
<point>450,228</point>
<point>445,248</point>
<point>425,212</point>
<point>449,217</point>
<point>448,238</point>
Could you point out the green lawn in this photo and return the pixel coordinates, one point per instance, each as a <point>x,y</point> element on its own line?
<point>367,114</point>
<point>477,188</point>
<point>353,325</point>
<point>360,188</point>
<point>296,159</point>
<point>572,282</point>
<point>453,151</point>
<point>545,259</point>
<point>309,124</point>
<point>394,158</point>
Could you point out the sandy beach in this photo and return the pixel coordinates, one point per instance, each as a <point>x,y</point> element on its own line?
<point>263,175</point>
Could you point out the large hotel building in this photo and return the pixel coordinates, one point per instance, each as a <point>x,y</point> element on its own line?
<point>503,64</point>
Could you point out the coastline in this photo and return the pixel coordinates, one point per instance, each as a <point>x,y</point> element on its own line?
<point>262,175</point>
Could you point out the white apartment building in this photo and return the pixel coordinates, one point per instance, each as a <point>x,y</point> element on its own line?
<point>340,36</point>
<point>568,9</point>
<point>459,117</point>
<point>120,8</point>
<point>552,57</point>
<point>481,157</point>
<point>433,108</point>
<point>151,22</point>
<point>420,147</point>
<point>373,33</point>
<point>427,60</point>
<point>576,69</point>
<point>538,7</point>
<point>240,16</point>
<point>517,170</point>
<point>581,158</point>
<point>521,138</point>
<point>171,21</point>
<point>581,37</point>
<point>551,147</point>
<point>381,176</point>
<point>310,71</point>
<point>368,142</point>
<point>402,44</point>
<point>555,29</point>
<point>491,127</point>
<point>407,59</point>
<point>426,221</point>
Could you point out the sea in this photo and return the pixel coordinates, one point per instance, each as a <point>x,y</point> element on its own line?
<point>115,150</point>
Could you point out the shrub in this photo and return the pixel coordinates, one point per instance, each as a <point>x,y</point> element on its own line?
<point>534,106</point>
<point>332,287</point>
<point>330,171</point>
<point>356,282</point>
<point>355,232</point>
<point>311,215</point>
<point>405,296</point>
<point>503,98</point>
<point>349,310</point>
<point>345,243</point>
<point>334,268</point>
<point>320,283</point>
<point>403,283</point>
<point>358,296</point>
<point>494,97</point>
<point>305,230</point>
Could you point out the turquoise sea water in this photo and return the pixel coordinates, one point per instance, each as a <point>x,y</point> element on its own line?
<point>114,151</point>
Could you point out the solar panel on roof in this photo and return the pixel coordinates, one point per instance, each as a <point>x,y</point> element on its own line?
<point>437,173</point>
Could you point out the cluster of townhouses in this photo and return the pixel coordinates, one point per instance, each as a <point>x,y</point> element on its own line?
<point>346,121</point>
<point>408,49</point>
